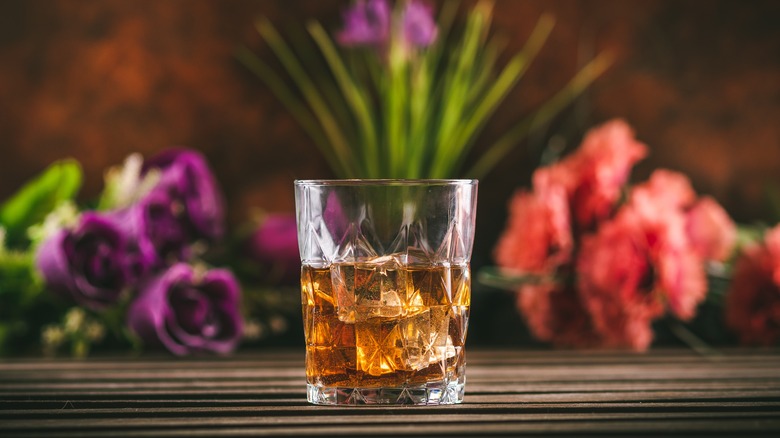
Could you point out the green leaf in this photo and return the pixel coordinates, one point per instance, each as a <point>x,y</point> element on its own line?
<point>30,205</point>
<point>312,96</point>
<point>506,80</point>
<point>352,92</point>
<point>395,113</point>
<point>549,109</point>
<point>421,102</point>
<point>487,101</point>
<point>462,71</point>
<point>296,108</point>
<point>501,278</point>
<point>20,283</point>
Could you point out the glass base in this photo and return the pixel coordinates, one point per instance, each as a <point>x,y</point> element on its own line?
<point>433,393</point>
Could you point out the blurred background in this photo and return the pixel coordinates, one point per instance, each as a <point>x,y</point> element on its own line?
<point>699,80</point>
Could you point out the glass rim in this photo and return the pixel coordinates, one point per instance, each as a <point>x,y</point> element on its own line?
<point>355,182</point>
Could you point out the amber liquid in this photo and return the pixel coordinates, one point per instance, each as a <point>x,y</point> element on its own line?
<point>384,324</point>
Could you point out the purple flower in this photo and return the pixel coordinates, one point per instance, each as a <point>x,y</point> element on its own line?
<point>274,244</point>
<point>187,312</point>
<point>162,221</point>
<point>366,23</point>
<point>94,262</point>
<point>186,179</point>
<point>419,28</point>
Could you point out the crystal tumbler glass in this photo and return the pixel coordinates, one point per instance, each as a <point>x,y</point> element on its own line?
<point>385,288</point>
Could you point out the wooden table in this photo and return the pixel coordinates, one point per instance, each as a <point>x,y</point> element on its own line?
<point>509,392</point>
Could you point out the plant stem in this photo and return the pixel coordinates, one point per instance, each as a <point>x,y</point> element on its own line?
<point>691,340</point>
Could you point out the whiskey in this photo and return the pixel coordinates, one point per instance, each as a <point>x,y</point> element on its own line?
<point>382,323</point>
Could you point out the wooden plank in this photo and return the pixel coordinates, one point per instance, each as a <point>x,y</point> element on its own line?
<point>465,409</point>
<point>133,420</point>
<point>272,394</point>
<point>27,408</point>
<point>295,385</point>
<point>473,385</point>
<point>667,427</point>
<point>475,357</point>
<point>508,392</point>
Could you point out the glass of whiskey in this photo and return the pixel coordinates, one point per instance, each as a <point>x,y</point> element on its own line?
<point>385,289</point>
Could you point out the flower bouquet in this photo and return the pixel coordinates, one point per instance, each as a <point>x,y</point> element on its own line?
<point>131,267</point>
<point>595,262</point>
<point>403,95</point>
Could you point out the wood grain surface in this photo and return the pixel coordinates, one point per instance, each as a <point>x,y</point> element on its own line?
<point>508,392</point>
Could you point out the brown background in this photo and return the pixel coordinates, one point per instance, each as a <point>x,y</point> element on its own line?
<point>97,80</point>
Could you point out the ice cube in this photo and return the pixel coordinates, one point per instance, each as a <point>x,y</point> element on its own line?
<point>380,286</point>
<point>426,338</point>
<point>379,346</point>
<point>416,333</point>
<point>342,276</point>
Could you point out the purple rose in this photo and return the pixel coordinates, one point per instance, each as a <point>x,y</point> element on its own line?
<point>195,200</point>
<point>419,28</point>
<point>187,312</point>
<point>162,222</point>
<point>366,23</point>
<point>274,244</point>
<point>94,262</point>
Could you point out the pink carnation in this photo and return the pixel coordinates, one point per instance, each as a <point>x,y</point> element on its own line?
<point>710,230</point>
<point>618,283</point>
<point>538,235</point>
<point>753,303</point>
<point>594,175</point>
<point>682,279</point>
<point>630,265</point>
<point>668,188</point>
<point>772,242</point>
<point>708,227</point>
<point>554,313</point>
<point>656,207</point>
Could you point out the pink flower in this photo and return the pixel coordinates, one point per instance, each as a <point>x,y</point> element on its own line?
<point>619,283</point>
<point>772,241</point>
<point>372,23</point>
<point>656,207</point>
<point>668,188</point>
<point>595,174</point>
<point>95,262</point>
<point>683,280</point>
<point>753,303</point>
<point>629,264</point>
<point>187,311</point>
<point>538,235</point>
<point>366,23</point>
<point>710,230</point>
<point>419,27</point>
<point>554,313</point>
<point>686,231</point>
<point>274,247</point>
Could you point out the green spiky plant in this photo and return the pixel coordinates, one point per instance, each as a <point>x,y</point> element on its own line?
<point>401,113</point>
